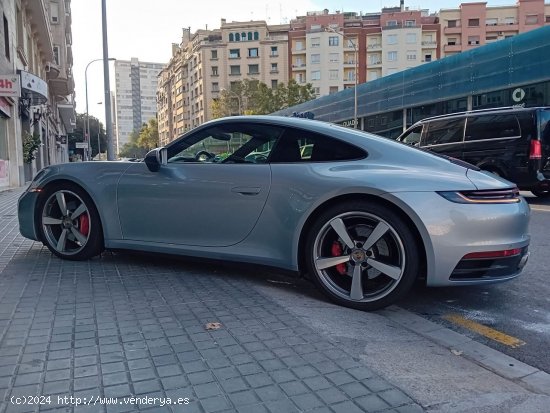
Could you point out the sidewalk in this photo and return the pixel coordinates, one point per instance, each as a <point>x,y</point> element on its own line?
<point>133,325</point>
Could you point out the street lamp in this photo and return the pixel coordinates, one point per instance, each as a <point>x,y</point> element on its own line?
<point>330,29</point>
<point>87,114</point>
<point>98,140</point>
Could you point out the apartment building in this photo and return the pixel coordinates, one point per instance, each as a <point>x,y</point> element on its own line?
<point>135,96</point>
<point>36,86</point>
<point>476,24</point>
<point>208,61</point>
<point>334,51</point>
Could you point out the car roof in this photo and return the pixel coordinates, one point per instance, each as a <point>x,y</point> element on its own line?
<point>505,109</point>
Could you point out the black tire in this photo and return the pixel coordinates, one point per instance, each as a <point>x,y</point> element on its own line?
<point>540,193</point>
<point>75,233</point>
<point>337,254</point>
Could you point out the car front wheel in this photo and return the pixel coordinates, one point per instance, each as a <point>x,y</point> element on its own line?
<point>69,224</point>
<point>362,255</point>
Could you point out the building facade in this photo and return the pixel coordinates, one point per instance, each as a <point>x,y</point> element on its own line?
<point>208,61</point>
<point>336,51</point>
<point>36,87</point>
<point>475,24</point>
<point>135,97</point>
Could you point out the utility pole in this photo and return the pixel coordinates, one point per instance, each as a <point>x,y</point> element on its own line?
<point>111,156</point>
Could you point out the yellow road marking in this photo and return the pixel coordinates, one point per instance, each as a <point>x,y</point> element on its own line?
<point>484,330</point>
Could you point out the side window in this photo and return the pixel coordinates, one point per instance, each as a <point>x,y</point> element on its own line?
<point>298,145</point>
<point>226,143</point>
<point>492,127</point>
<point>444,131</point>
<point>412,137</point>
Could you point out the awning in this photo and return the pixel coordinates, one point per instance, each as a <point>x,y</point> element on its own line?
<point>34,88</point>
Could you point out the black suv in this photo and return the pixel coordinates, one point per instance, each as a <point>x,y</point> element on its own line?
<point>511,142</point>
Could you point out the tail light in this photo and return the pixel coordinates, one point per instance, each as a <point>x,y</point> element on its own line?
<point>492,254</point>
<point>536,150</point>
<point>490,196</point>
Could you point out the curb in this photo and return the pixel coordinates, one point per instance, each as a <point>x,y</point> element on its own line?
<point>505,366</point>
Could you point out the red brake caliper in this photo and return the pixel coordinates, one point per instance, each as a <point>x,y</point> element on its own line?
<point>336,251</point>
<point>84,224</point>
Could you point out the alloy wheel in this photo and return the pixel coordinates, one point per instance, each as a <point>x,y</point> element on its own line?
<point>359,257</point>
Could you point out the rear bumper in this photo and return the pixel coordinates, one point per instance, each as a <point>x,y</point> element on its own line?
<point>451,231</point>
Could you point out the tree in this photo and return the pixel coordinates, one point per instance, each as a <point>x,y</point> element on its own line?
<point>149,135</point>
<point>251,97</point>
<point>96,127</point>
<point>131,148</point>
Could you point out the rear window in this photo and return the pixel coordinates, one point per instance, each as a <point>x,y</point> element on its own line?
<point>444,131</point>
<point>492,127</point>
<point>545,126</point>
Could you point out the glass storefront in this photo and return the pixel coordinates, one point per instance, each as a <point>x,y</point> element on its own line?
<point>4,177</point>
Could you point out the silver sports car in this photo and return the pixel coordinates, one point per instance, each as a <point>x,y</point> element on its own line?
<point>364,216</point>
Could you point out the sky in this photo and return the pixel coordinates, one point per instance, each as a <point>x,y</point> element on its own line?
<point>147,29</point>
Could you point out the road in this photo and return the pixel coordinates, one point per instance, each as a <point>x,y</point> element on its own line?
<point>517,312</point>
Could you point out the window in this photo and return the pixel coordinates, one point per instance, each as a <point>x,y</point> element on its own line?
<point>256,36</point>
<point>303,146</point>
<point>428,58</point>
<point>332,90</point>
<point>231,37</point>
<point>334,57</point>
<point>473,40</point>
<point>509,20</point>
<point>235,70</point>
<point>6,39</point>
<point>491,22</point>
<point>253,69</point>
<point>452,23</point>
<point>249,36</point>
<point>413,136</point>
<point>411,55</point>
<point>333,74</point>
<point>54,12</point>
<point>234,53</point>
<point>410,23</point>
<point>473,22</point>
<point>274,68</point>
<point>444,131</point>
<point>531,19</point>
<point>491,127</point>
<point>214,70</point>
<point>316,75</point>
<point>315,27</point>
<point>315,41</point>
<point>411,38</point>
<point>299,46</point>
<point>215,87</point>
<point>227,144</point>
<point>391,23</point>
<point>253,52</point>
<point>451,41</point>
<point>316,58</point>
<point>56,55</point>
<point>214,54</point>
<point>274,51</point>
<point>392,39</point>
<point>274,84</point>
<point>392,56</point>
<point>333,40</point>
<point>237,37</point>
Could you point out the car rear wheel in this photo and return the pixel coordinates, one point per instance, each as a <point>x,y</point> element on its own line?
<point>362,255</point>
<point>69,223</point>
<point>540,193</point>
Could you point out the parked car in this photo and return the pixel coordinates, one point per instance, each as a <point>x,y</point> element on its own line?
<point>511,142</point>
<point>363,215</point>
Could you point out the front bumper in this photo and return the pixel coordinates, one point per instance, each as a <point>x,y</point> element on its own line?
<point>26,207</point>
<point>450,231</point>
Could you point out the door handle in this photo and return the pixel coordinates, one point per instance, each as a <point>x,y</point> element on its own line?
<point>246,190</point>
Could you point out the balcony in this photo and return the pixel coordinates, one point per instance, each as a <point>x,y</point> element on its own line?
<point>374,63</point>
<point>452,47</point>
<point>63,85</point>
<point>374,46</point>
<point>429,44</point>
<point>452,30</point>
<point>299,51</point>
<point>41,25</point>
<point>502,27</point>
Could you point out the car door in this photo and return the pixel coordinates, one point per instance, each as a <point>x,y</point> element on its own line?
<point>206,194</point>
<point>444,136</point>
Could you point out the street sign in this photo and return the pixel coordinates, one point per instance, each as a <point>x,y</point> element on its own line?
<point>81,145</point>
<point>9,85</point>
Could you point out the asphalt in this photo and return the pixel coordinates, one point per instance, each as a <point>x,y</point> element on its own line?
<point>128,325</point>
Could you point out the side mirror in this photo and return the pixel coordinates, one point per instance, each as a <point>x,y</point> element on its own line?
<point>155,158</point>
